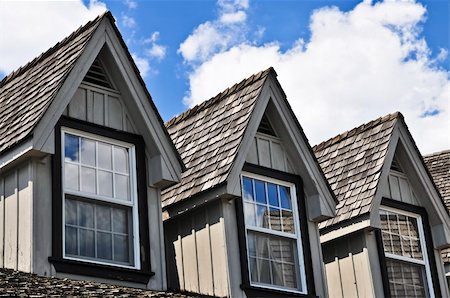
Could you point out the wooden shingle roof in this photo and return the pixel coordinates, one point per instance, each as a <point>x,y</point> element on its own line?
<point>20,284</point>
<point>439,166</point>
<point>209,135</point>
<point>352,163</point>
<point>26,93</point>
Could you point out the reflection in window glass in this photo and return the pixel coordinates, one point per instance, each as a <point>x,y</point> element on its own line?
<point>98,200</point>
<point>272,258</point>
<point>405,263</point>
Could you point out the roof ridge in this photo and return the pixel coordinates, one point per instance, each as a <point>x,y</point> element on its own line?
<point>22,69</point>
<point>225,93</point>
<point>363,127</point>
<point>446,151</point>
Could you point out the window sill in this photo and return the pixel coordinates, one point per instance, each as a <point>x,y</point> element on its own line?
<point>98,270</point>
<point>252,291</point>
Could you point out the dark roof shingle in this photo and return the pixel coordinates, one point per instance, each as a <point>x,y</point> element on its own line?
<point>20,284</point>
<point>26,93</point>
<point>352,163</point>
<point>208,137</point>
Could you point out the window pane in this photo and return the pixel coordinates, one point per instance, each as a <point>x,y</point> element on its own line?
<point>104,156</point>
<point>262,216</point>
<point>264,271</point>
<point>272,193</point>
<point>71,176</point>
<point>253,270</point>
<point>121,252</point>
<point>120,159</point>
<point>288,250</point>
<point>275,219</point>
<point>406,279</point>
<point>285,196</point>
<point>71,212</point>
<point>290,276</point>
<point>262,250</point>
<point>87,248</point>
<point>85,215</point>
<point>71,146</point>
<point>260,192</point>
<point>288,221</point>
<point>105,183</point>
<point>251,244</point>
<point>88,181</point>
<point>104,245</point>
<point>87,152</point>
<point>120,224</point>
<point>249,214</point>
<point>103,217</point>
<point>277,272</point>
<point>122,187</point>
<point>71,241</point>
<point>247,189</point>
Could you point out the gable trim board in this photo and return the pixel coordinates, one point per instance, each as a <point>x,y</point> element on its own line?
<point>104,35</point>
<point>397,136</point>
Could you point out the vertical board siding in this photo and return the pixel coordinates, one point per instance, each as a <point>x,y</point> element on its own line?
<point>399,188</point>
<point>16,218</point>
<point>347,267</point>
<point>99,106</point>
<point>25,216</point>
<point>267,151</point>
<point>195,250</point>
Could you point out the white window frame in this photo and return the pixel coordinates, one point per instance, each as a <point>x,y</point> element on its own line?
<point>423,245</point>
<point>133,203</point>
<point>298,236</point>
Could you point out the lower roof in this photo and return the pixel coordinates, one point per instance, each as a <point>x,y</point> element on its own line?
<point>20,284</point>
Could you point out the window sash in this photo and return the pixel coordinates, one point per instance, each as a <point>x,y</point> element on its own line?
<point>422,262</point>
<point>296,236</point>
<point>132,203</point>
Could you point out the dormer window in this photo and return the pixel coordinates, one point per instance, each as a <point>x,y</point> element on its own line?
<point>100,199</point>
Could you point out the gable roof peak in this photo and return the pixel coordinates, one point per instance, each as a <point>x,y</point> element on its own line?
<point>38,59</point>
<point>357,130</point>
<point>224,94</point>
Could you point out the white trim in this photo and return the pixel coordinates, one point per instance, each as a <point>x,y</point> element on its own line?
<point>300,262</point>
<point>133,203</point>
<point>334,234</point>
<point>425,262</point>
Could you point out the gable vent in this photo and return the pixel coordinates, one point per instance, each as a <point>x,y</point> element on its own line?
<point>396,165</point>
<point>266,127</point>
<point>97,75</point>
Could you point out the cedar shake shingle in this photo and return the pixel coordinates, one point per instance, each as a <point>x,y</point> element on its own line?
<point>26,93</point>
<point>209,135</point>
<point>352,163</point>
<point>20,284</point>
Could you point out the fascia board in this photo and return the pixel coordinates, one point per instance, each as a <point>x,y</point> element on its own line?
<point>429,187</point>
<point>46,124</point>
<point>383,179</point>
<point>15,153</point>
<point>160,139</point>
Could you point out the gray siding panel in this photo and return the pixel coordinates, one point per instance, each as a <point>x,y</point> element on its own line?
<point>347,267</point>
<point>25,216</point>
<point>195,250</point>
<point>11,220</point>
<point>2,219</point>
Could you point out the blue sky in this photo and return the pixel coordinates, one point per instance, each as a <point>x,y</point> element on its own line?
<point>341,63</point>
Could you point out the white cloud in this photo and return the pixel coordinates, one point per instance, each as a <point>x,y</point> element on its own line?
<point>142,64</point>
<point>128,21</point>
<point>233,17</point>
<point>357,66</point>
<point>156,51</point>
<point>215,36</point>
<point>130,4</point>
<point>21,41</point>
